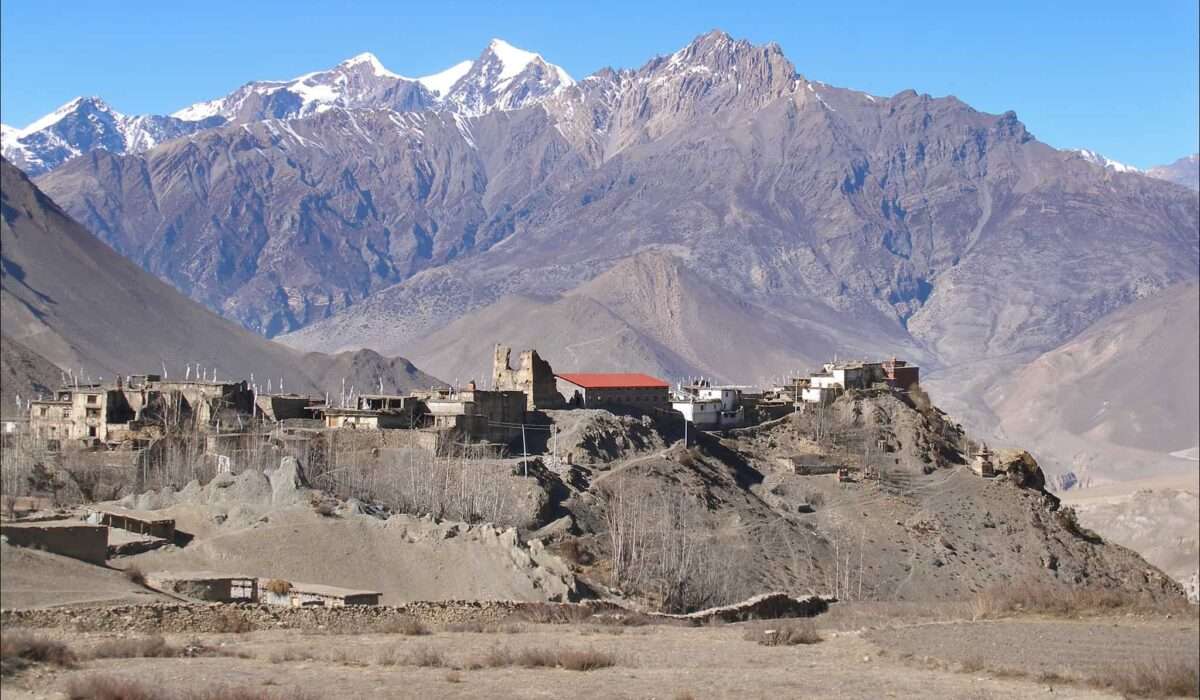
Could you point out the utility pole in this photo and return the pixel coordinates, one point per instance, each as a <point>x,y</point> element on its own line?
<point>524,452</point>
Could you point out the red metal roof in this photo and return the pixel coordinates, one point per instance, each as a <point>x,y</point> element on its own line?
<point>614,380</point>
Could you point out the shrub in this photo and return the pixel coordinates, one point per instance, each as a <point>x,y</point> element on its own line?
<point>345,657</point>
<point>135,575</point>
<point>21,649</point>
<point>409,626</point>
<point>100,687</point>
<point>538,657</point>
<point>110,688</point>
<point>279,656</point>
<point>278,586</point>
<point>587,660</point>
<point>454,677</point>
<point>1040,598</point>
<point>389,656</point>
<point>135,648</point>
<point>427,657</point>
<point>1156,679</point>
<point>789,634</point>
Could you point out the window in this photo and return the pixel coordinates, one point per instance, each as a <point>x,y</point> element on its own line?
<point>91,431</point>
<point>93,399</point>
<point>93,413</point>
<point>43,411</point>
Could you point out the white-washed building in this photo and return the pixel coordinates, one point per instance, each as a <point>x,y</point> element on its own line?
<point>710,407</point>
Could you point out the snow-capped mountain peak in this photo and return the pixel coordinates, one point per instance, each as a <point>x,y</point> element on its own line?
<point>512,60</point>
<point>504,77</point>
<point>369,59</point>
<point>441,82</point>
<point>90,104</point>
<point>86,124</point>
<point>1106,162</point>
<point>358,81</point>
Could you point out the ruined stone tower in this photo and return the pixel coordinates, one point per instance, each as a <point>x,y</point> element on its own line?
<point>535,377</point>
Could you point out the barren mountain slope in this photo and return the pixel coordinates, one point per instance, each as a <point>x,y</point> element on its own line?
<point>1117,400</point>
<point>652,312</point>
<point>71,299</point>
<point>927,528</point>
<point>24,374</point>
<point>1185,171</point>
<point>1161,524</point>
<point>900,213</point>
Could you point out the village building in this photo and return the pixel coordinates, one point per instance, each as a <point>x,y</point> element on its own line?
<point>710,407</point>
<point>201,402</point>
<point>69,538</point>
<point>374,412</point>
<point>365,419</point>
<point>898,374</point>
<point>477,414</point>
<point>535,377</point>
<point>812,464</point>
<point>303,595</point>
<point>280,407</point>
<point>206,585</point>
<point>836,377</point>
<point>138,408</point>
<point>79,413</point>
<point>601,389</point>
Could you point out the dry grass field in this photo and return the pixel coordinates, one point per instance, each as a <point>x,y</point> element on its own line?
<point>856,651</point>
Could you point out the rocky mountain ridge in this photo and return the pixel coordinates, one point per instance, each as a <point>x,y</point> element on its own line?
<point>502,77</point>
<point>86,124</point>
<point>834,195</point>
<point>1184,171</point>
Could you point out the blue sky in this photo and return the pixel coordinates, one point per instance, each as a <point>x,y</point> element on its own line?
<point>1118,77</point>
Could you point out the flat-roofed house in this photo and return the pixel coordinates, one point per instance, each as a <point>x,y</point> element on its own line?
<point>711,407</point>
<point>598,389</point>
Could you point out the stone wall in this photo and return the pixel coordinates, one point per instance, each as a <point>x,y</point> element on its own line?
<point>217,617</point>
